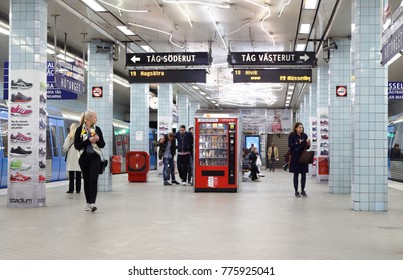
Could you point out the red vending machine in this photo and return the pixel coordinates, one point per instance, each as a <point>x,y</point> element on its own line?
<point>217,151</point>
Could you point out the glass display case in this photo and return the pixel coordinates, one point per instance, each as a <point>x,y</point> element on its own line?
<point>213,144</point>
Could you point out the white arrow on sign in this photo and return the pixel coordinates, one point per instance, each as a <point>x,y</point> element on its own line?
<point>135,59</point>
<point>305,57</point>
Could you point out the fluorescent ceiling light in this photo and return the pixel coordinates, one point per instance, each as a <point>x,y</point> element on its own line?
<point>310,4</point>
<point>212,101</point>
<point>300,47</point>
<point>288,97</point>
<point>125,30</point>
<point>147,48</point>
<point>195,87</point>
<point>4,28</point>
<point>94,5</point>
<point>202,93</point>
<point>120,81</point>
<point>208,97</point>
<point>4,31</point>
<point>304,28</point>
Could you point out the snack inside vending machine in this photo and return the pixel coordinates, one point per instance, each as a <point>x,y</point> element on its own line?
<point>217,151</point>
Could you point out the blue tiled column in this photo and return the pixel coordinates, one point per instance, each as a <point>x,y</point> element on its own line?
<point>165,104</point>
<point>27,76</point>
<point>100,74</point>
<point>323,86</point>
<point>340,118</point>
<point>139,117</point>
<point>182,102</point>
<point>369,188</point>
<point>194,106</point>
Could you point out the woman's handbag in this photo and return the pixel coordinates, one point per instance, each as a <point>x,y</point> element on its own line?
<point>307,157</point>
<point>104,164</point>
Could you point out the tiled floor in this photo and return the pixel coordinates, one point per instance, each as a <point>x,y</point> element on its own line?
<point>152,221</point>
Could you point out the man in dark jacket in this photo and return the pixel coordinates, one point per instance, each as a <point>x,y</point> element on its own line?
<point>185,144</point>
<point>166,153</point>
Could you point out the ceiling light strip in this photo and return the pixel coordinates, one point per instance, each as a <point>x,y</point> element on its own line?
<point>283,7</point>
<point>185,14</point>
<point>121,9</point>
<point>267,32</point>
<point>218,31</point>
<point>222,6</point>
<point>158,30</point>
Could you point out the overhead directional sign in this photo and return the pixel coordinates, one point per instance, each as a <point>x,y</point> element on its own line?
<point>167,59</point>
<point>272,75</point>
<point>167,76</point>
<point>272,58</point>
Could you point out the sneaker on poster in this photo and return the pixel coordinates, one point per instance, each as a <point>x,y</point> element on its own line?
<point>19,111</point>
<point>43,86</point>
<point>20,84</point>
<point>42,165</point>
<point>42,99</point>
<point>19,137</point>
<point>19,178</point>
<point>42,138</point>
<point>42,124</point>
<point>42,152</point>
<point>19,165</point>
<point>42,178</point>
<point>19,97</point>
<point>42,111</point>
<point>19,152</point>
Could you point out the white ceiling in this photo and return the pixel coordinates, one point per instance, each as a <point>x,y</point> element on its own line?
<point>243,27</point>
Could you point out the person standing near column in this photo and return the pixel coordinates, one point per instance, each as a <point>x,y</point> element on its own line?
<point>297,142</point>
<point>185,140</point>
<point>166,153</point>
<point>72,165</point>
<point>88,141</point>
<point>272,155</point>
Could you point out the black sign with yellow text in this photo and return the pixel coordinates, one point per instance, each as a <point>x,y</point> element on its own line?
<point>272,75</point>
<point>167,76</point>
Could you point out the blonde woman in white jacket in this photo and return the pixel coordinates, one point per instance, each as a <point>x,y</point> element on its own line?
<point>72,165</point>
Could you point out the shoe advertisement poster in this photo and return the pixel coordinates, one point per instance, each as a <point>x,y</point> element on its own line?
<point>322,152</point>
<point>313,135</point>
<point>27,139</point>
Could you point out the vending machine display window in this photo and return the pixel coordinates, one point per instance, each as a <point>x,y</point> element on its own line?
<point>213,144</point>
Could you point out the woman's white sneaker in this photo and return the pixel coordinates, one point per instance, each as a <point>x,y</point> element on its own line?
<point>88,207</point>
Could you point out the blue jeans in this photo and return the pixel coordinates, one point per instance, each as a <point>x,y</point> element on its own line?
<point>168,163</point>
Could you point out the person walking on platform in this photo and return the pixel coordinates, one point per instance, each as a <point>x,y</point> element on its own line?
<point>272,156</point>
<point>166,153</point>
<point>185,141</point>
<point>254,170</point>
<point>297,142</point>
<point>88,141</point>
<point>72,165</point>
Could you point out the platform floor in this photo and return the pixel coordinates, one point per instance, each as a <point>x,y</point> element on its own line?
<point>151,221</point>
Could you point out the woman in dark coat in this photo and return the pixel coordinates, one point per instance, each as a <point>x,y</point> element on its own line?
<point>297,142</point>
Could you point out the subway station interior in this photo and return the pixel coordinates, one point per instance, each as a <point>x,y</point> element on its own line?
<point>240,72</point>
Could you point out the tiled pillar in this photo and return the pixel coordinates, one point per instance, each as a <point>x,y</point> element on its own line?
<point>165,105</point>
<point>182,103</point>
<point>100,74</point>
<point>139,117</point>
<point>194,106</point>
<point>27,77</point>
<point>340,118</point>
<point>313,88</point>
<point>369,188</point>
<point>307,102</point>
